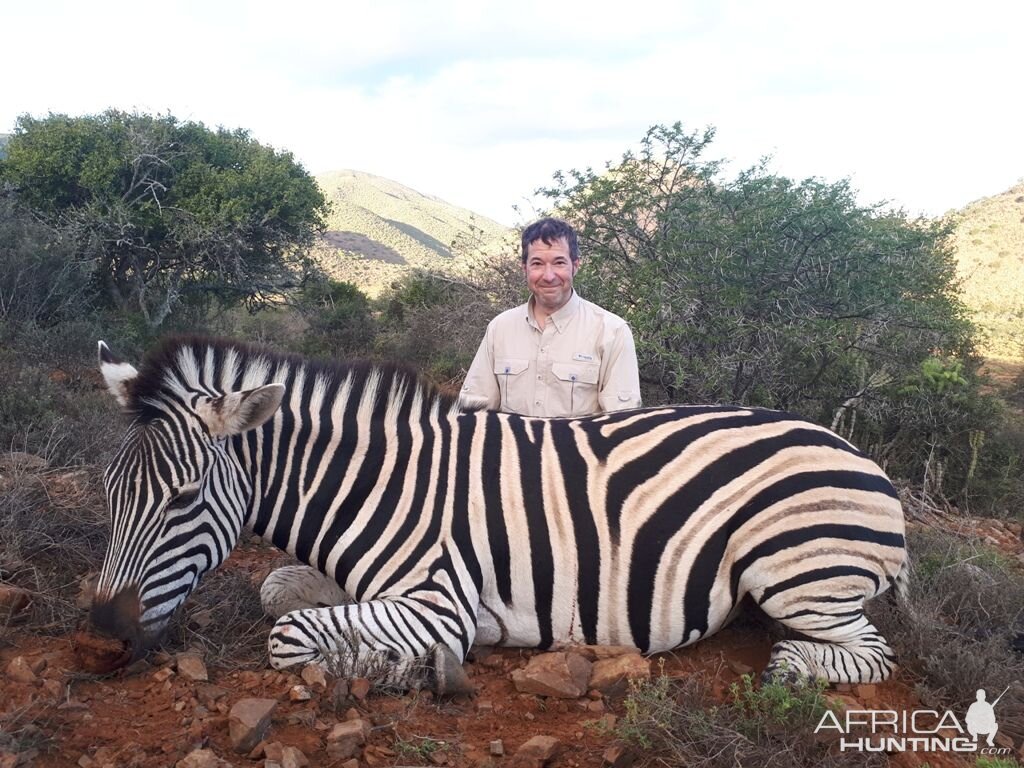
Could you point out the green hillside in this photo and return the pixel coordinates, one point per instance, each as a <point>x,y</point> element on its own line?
<point>989,243</point>
<point>379,229</point>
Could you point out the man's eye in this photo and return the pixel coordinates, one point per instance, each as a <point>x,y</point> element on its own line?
<point>184,499</point>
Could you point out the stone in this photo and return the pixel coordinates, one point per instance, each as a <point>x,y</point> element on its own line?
<point>611,676</point>
<point>596,706</point>
<point>359,688</point>
<point>485,707</point>
<point>202,758</point>
<point>191,667</point>
<point>598,652</point>
<point>739,668</point>
<point>248,722</point>
<point>345,738</point>
<point>54,688</point>
<point>536,752</point>
<point>865,691</point>
<point>314,676</point>
<point>497,748</point>
<point>162,675</point>
<point>299,693</point>
<point>293,757</point>
<point>13,600</point>
<point>284,756</point>
<point>560,675</point>
<point>209,694</point>
<point>306,718</point>
<point>20,671</point>
<point>86,762</point>
<point>618,756</point>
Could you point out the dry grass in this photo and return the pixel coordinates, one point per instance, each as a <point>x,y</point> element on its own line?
<point>53,531</point>
<point>962,625</point>
<point>669,722</point>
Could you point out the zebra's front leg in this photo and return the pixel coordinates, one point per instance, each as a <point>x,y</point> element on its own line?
<point>395,642</point>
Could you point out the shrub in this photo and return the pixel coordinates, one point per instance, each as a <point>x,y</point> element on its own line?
<point>671,721</point>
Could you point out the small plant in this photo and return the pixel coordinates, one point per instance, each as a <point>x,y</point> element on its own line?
<point>775,705</point>
<point>996,762</point>
<point>418,748</point>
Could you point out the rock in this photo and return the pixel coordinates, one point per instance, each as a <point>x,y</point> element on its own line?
<point>598,652</point>
<point>485,707</point>
<point>299,693</point>
<point>314,676</point>
<point>536,752</point>
<point>13,600</point>
<point>596,706</point>
<point>739,668</point>
<point>611,676</point>
<point>618,756</point>
<point>306,718</point>
<point>359,688</point>
<point>86,762</point>
<point>294,758</point>
<point>20,671</point>
<point>345,738</point>
<point>497,748</point>
<point>865,691</point>
<point>340,694</point>
<point>285,756</point>
<point>54,688</point>
<point>608,722</point>
<point>210,694</point>
<point>561,675</point>
<point>162,675</point>
<point>248,722</point>
<point>202,758</point>
<point>350,764</point>
<point>191,667</point>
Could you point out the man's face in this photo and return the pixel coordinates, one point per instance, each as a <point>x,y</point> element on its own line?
<point>549,272</point>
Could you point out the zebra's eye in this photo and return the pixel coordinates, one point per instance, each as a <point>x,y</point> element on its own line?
<point>184,498</point>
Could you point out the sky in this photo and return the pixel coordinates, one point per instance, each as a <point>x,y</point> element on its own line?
<point>480,103</point>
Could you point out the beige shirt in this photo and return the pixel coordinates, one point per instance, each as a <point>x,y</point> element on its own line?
<point>582,362</point>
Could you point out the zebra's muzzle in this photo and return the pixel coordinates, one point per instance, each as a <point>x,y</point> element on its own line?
<point>118,617</point>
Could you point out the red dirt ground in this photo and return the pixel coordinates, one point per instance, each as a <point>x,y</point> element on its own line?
<point>137,719</point>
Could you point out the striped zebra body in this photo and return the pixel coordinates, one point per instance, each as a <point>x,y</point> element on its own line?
<point>641,528</point>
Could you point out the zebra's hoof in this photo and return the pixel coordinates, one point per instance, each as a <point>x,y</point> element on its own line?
<point>450,679</point>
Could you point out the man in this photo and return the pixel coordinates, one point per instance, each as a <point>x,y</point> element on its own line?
<point>558,354</point>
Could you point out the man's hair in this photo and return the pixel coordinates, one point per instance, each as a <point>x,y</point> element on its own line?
<point>549,230</point>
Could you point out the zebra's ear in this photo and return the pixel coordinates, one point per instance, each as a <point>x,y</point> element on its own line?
<point>238,412</point>
<point>118,374</point>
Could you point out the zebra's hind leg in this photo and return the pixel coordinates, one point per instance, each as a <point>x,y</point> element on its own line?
<point>844,647</point>
<point>396,643</point>
<point>295,587</point>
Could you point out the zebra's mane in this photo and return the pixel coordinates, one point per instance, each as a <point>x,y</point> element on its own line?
<point>225,365</point>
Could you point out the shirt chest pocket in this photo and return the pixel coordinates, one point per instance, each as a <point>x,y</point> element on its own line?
<point>577,387</point>
<point>511,373</point>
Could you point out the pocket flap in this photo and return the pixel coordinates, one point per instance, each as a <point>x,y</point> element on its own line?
<point>581,373</point>
<point>510,365</point>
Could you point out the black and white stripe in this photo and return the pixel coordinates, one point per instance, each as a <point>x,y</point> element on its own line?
<point>641,528</point>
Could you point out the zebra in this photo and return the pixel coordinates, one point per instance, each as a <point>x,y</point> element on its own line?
<point>425,527</point>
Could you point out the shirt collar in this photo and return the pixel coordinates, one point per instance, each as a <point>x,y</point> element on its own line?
<point>561,317</point>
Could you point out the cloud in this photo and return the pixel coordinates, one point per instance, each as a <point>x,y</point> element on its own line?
<point>480,103</point>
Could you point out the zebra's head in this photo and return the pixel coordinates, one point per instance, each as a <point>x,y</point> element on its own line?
<point>175,491</point>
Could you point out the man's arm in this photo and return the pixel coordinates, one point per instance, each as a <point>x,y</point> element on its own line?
<point>480,389</point>
<point>620,380</point>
